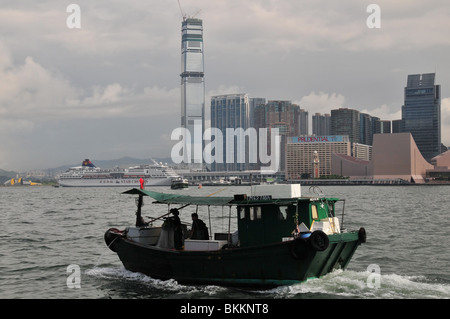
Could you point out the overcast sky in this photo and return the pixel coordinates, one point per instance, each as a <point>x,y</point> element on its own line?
<point>112,87</point>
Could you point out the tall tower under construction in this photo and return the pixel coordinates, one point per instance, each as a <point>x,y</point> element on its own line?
<point>192,87</point>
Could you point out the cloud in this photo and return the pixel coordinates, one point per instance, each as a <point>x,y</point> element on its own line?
<point>384,112</point>
<point>321,102</point>
<point>33,92</point>
<point>46,119</point>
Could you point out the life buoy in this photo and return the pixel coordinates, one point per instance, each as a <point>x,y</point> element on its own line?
<point>319,240</point>
<point>362,237</point>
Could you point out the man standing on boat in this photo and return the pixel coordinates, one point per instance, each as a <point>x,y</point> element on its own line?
<point>178,232</point>
<point>199,229</point>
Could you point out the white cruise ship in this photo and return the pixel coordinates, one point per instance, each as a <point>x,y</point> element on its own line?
<point>88,175</point>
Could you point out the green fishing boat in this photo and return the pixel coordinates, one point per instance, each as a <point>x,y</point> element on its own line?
<point>282,238</point>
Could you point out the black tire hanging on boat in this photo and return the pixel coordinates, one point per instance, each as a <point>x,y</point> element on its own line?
<point>362,237</point>
<point>319,240</point>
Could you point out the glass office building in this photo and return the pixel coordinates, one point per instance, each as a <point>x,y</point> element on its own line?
<point>346,121</point>
<point>421,113</point>
<point>193,86</point>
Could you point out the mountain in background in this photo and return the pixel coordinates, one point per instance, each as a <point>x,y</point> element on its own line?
<point>6,175</point>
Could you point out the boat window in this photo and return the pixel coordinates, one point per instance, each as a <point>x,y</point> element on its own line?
<point>241,212</point>
<point>314,212</point>
<point>255,212</point>
<point>282,212</point>
<point>258,212</point>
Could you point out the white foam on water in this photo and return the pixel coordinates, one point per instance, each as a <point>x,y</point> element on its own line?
<point>169,285</point>
<point>352,284</point>
<point>338,284</point>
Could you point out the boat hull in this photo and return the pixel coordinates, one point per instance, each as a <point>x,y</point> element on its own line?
<point>131,182</point>
<point>267,266</point>
<point>179,186</point>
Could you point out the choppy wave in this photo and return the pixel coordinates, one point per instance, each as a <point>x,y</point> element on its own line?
<point>338,284</point>
<point>352,284</point>
<point>153,287</point>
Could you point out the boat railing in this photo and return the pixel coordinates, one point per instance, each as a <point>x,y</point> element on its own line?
<point>342,214</point>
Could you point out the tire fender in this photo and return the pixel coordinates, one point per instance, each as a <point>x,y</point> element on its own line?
<point>319,240</point>
<point>362,237</point>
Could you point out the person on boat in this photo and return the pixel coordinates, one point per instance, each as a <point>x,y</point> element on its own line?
<point>199,229</point>
<point>178,232</point>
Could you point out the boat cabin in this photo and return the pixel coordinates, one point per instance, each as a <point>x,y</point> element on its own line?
<point>264,219</point>
<point>270,214</point>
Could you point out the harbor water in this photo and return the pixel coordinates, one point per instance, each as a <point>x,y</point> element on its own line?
<point>52,245</point>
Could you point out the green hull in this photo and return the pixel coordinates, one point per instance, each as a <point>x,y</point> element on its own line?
<point>266,266</point>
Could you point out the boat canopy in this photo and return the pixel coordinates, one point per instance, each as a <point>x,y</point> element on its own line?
<point>164,198</point>
<point>241,200</point>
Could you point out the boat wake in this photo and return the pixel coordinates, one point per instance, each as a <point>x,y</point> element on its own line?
<point>352,284</point>
<point>162,288</point>
<point>338,284</point>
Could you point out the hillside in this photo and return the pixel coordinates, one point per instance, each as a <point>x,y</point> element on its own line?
<point>5,175</point>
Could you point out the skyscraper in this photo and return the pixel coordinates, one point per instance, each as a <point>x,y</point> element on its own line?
<point>346,121</point>
<point>231,111</point>
<point>282,115</point>
<point>321,124</point>
<point>303,122</point>
<point>421,113</point>
<point>192,86</point>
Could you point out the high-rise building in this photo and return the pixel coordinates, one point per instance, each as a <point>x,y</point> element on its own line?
<point>421,113</point>
<point>231,111</point>
<point>321,124</point>
<point>303,122</point>
<point>254,102</point>
<point>192,87</point>
<point>397,126</point>
<point>366,122</point>
<point>382,127</point>
<point>281,115</point>
<point>346,121</point>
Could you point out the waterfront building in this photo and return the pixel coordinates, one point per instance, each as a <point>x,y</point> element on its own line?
<point>351,167</point>
<point>231,111</point>
<point>192,86</point>
<point>421,113</point>
<point>362,151</point>
<point>300,152</point>
<point>394,156</point>
<point>441,169</point>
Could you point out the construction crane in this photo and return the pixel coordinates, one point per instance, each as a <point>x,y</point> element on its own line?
<point>184,15</point>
